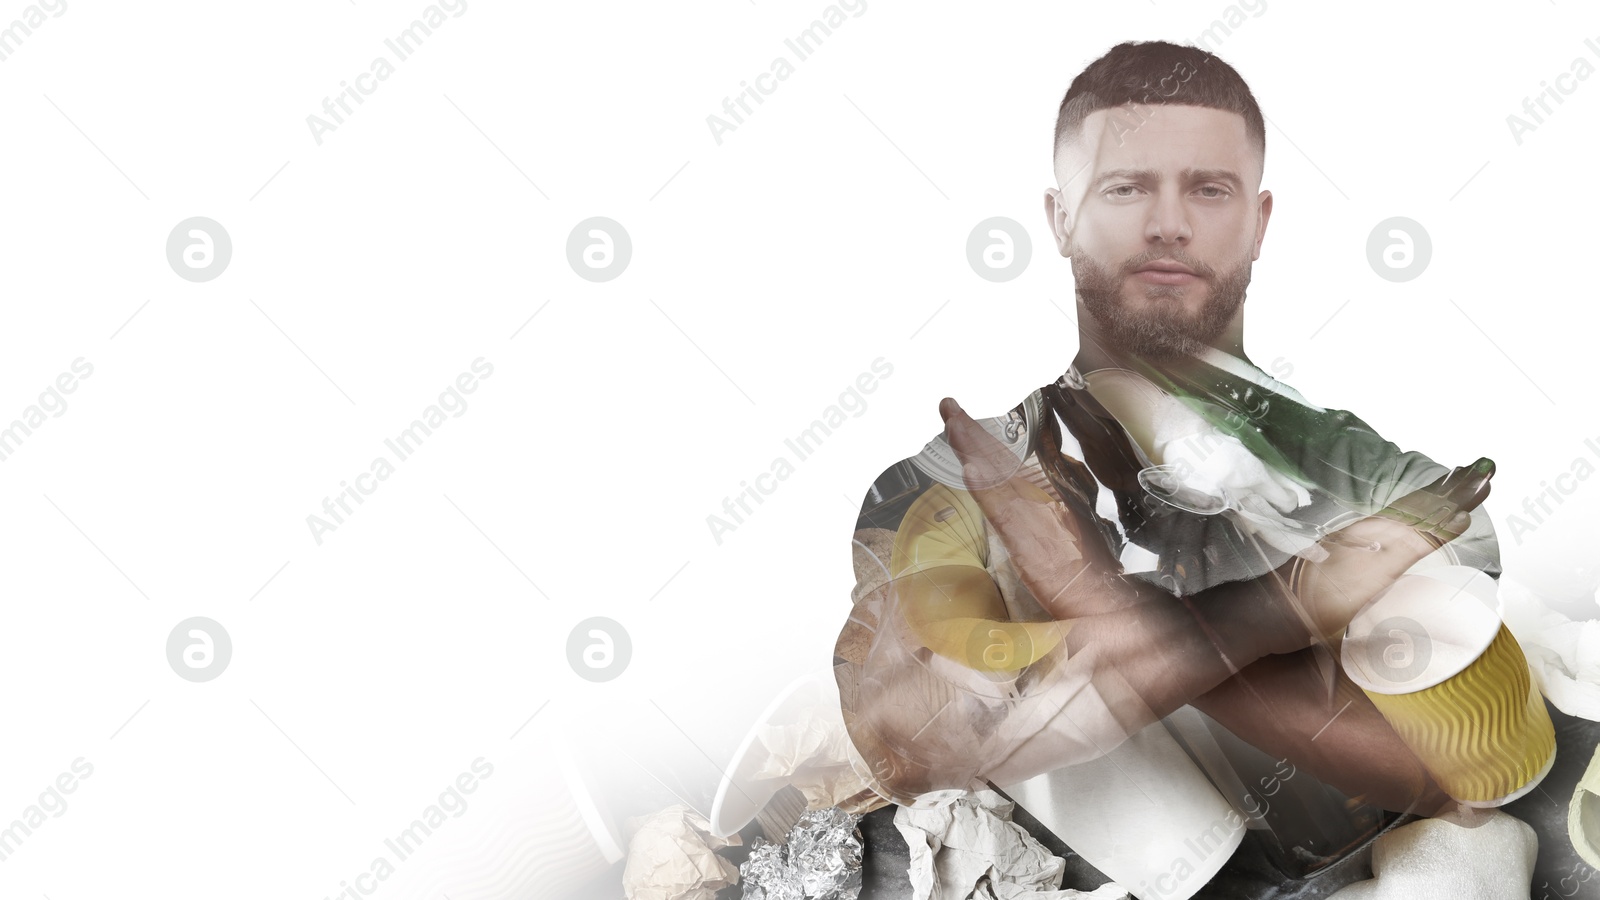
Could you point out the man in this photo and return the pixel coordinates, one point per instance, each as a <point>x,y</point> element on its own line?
<point>1166,524</point>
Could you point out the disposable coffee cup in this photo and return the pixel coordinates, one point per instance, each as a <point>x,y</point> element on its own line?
<point>575,836</point>
<point>1447,674</point>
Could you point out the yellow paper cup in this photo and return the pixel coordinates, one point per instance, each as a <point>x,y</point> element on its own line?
<point>1439,664</point>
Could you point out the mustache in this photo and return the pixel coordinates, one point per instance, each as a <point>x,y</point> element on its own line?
<point>1134,263</point>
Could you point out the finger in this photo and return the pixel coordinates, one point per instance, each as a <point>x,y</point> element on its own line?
<point>1024,515</point>
<point>985,461</point>
<point>1464,486</point>
<point>1442,510</point>
<point>1466,478</point>
<point>1034,529</point>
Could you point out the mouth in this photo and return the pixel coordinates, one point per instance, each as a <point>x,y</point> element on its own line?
<point>1165,272</point>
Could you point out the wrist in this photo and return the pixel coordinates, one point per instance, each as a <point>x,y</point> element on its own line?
<point>1253,619</point>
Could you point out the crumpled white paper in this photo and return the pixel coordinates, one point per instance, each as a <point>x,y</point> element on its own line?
<point>1442,859</point>
<point>814,755</point>
<point>971,850</point>
<point>1220,465</point>
<point>672,856</point>
<point>1216,460</point>
<point>1564,655</point>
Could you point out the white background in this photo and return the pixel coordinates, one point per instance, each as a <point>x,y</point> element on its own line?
<point>768,272</point>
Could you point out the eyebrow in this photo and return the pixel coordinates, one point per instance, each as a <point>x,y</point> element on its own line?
<point>1188,175</point>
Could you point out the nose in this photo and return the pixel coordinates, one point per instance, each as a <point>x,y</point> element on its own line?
<point>1169,219</point>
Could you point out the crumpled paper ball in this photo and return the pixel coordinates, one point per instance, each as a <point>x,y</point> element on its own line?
<point>971,850</point>
<point>1564,655</point>
<point>814,755</point>
<point>1443,859</point>
<point>672,857</point>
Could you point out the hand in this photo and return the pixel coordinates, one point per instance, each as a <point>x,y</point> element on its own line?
<point>1331,592</point>
<point>1044,540</point>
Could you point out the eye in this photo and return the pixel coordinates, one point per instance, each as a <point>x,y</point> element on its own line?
<point>1119,190</point>
<point>1213,191</point>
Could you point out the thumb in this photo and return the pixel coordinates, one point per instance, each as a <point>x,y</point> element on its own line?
<point>949,407</point>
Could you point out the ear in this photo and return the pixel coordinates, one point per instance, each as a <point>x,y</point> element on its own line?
<point>1264,206</point>
<point>1055,209</point>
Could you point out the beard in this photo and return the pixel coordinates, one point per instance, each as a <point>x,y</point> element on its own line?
<point>1163,330</point>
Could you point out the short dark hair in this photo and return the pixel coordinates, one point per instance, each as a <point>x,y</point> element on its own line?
<point>1145,72</point>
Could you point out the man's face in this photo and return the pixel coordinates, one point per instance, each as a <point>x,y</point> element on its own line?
<point>1159,213</point>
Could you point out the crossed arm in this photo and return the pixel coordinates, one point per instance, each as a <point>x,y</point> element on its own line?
<point>1127,653</point>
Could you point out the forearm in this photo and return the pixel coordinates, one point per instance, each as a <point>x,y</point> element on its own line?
<point>1159,652</point>
<point>1150,653</point>
<point>1280,704</point>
